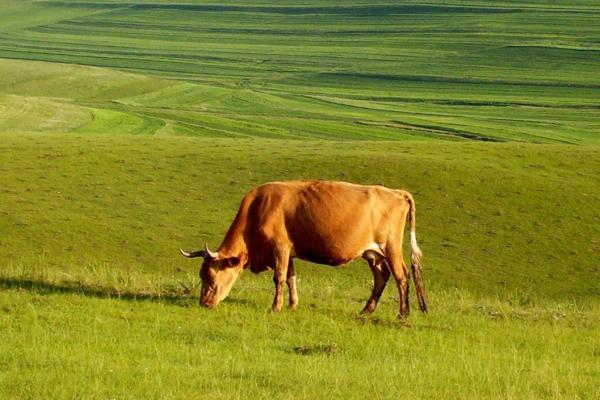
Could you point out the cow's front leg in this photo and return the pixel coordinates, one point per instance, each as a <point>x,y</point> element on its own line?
<point>291,282</point>
<point>282,259</point>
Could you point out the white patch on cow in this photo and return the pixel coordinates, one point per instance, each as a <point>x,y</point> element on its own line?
<point>377,248</point>
<point>373,246</point>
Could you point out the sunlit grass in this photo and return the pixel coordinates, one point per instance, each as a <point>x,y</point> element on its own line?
<point>77,339</point>
<point>96,302</point>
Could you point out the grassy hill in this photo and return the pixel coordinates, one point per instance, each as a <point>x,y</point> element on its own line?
<point>491,217</point>
<point>129,129</point>
<point>96,302</point>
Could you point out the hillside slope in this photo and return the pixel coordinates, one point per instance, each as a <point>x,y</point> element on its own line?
<point>491,218</point>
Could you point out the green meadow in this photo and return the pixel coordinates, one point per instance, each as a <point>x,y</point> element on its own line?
<point>131,128</point>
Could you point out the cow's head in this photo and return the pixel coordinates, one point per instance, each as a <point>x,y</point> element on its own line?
<point>217,273</point>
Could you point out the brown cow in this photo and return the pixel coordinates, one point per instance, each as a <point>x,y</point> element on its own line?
<point>319,221</point>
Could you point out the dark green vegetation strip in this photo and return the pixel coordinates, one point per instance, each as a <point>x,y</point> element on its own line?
<point>360,10</point>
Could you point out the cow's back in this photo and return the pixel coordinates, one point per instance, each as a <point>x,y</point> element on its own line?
<point>322,221</point>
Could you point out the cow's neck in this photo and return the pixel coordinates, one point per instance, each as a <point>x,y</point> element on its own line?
<point>234,244</point>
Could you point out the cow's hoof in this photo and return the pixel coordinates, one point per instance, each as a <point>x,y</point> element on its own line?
<point>367,311</point>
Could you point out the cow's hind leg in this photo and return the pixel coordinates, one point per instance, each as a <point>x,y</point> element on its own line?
<point>282,259</point>
<point>291,283</point>
<point>381,274</point>
<point>400,273</point>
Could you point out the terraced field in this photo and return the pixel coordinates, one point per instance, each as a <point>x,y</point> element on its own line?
<point>131,128</point>
<point>508,71</point>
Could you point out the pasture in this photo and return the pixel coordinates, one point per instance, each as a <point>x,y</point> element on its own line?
<point>130,129</point>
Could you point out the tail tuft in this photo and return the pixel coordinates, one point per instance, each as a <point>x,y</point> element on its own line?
<point>415,266</point>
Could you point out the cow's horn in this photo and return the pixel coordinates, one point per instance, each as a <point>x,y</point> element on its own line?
<point>211,254</point>
<point>192,254</point>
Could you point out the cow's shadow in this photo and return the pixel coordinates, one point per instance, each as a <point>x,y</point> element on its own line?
<point>41,287</point>
<point>173,297</point>
<point>179,298</point>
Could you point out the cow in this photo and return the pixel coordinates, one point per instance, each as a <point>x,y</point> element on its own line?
<point>325,222</point>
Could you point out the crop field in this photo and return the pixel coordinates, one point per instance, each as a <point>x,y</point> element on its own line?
<point>502,71</point>
<point>131,128</point>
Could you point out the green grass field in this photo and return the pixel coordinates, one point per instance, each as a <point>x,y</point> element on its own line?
<point>129,129</point>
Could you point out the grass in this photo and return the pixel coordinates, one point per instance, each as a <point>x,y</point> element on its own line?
<point>114,347</point>
<point>130,129</point>
<point>94,292</point>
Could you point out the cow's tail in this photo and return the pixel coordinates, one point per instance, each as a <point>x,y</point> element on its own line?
<point>416,255</point>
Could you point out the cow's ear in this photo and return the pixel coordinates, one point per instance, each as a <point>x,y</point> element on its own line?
<point>232,261</point>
